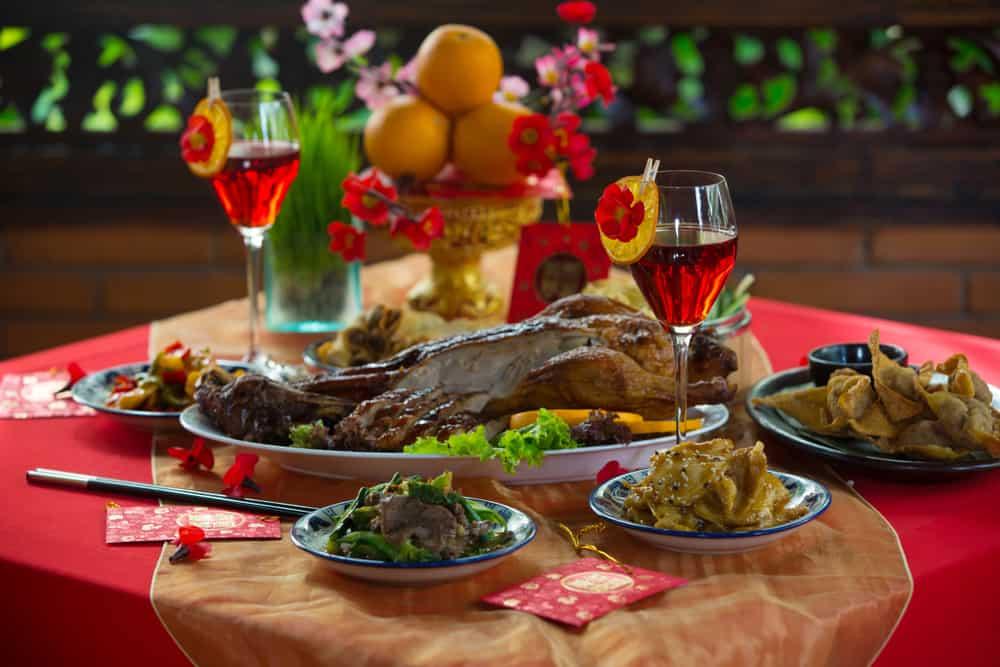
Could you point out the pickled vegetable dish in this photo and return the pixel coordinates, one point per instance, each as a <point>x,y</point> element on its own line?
<point>168,385</point>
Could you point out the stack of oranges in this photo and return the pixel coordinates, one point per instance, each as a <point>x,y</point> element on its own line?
<point>452,117</point>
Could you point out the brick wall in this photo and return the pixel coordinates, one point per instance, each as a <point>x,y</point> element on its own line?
<point>74,273</point>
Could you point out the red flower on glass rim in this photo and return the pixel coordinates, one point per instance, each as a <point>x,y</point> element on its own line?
<point>368,197</point>
<point>576,12</point>
<point>598,82</point>
<point>423,230</point>
<point>346,241</point>
<point>240,476</point>
<point>198,139</point>
<point>617,214</point>
<point>190,545</point>
<point>531,134</point>
<point>199,455</point>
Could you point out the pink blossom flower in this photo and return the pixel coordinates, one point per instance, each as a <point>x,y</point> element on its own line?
<point>569,56</point>
<point>407,73</point>
<point>376,86</point>
<point>331,54</point>
<point>512,88</point>
<point>590,45</point>
<point>324,18</point>
<point>547,67</point>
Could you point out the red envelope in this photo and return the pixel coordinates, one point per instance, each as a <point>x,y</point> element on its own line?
<point>30,395</point>
<point>156,524</point>
<point>579,592</point>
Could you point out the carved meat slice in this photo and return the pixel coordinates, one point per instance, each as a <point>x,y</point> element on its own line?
<point>396,418</point>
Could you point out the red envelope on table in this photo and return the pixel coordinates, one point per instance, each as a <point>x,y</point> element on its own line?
<point>581,591</point>
<point>31,395</point>
<point>143,523</point>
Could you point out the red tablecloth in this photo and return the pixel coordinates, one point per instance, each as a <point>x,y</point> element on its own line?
<point>78,601</point>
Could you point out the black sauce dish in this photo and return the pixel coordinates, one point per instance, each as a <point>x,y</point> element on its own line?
<point>823,361</point>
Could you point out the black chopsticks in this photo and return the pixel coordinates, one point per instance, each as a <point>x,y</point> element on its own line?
<point>95,483</point>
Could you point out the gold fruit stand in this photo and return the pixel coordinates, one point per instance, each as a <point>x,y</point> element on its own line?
<point>473,224</point>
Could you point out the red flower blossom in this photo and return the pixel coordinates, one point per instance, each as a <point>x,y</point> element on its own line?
<point>581,162</point>
<point>199,455</point>
<point>610,470</point>
<point>346,241</point>
<point>598,81</point>
<point>190,545</point>
<point>576,12</point>
<point>368,197</point>
<point>617,215</point>
<point>240,476</point>
<point>423,230</point>
<point>530,135</point>
<point>565,132</point>
<point>535,164</point>
<point>198,139</point>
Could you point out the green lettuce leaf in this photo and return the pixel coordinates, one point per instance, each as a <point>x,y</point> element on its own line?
<point>525,445</point>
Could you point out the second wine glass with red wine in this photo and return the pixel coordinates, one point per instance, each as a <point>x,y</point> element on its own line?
<point>685,269</point>
<point>263,161</point>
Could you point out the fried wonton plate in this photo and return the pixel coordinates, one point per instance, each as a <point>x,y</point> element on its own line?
<point>918,450</point>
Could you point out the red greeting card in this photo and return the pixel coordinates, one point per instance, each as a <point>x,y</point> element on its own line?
<point>156,524</point>
<point>554,261</point>
<point>31,395</point>
<point>579,592</point>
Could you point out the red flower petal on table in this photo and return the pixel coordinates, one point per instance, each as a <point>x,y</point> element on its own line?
<point>240,475</point>
<point>368,196</point>
<point>530,134</point>
<point>200,454</point>
<point>76,373</point>
<point>598,81</point>
<point>610,470</point>
<point>346,241</point>
<point>198,139</point>
<point>577,11</point>
<point>189,535</point>
<point>190,545</point>
<point>617,215</point>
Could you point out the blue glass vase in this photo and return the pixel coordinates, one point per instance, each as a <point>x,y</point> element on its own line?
<point>323,296</point>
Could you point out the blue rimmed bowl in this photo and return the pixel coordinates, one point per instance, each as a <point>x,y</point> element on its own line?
<point>312,532</point>
<point>94,389</point>
<point>608,502</point>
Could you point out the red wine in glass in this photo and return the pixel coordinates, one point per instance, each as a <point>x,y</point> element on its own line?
<point>255,180</point>
<point>684,271</point>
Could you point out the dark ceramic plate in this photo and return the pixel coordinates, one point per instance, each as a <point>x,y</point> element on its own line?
<point>847,450</point>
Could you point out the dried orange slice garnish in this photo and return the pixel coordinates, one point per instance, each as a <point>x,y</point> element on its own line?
<point>206,139</point>
<point>626,220</point>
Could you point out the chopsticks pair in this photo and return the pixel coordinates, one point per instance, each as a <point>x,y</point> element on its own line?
<point>157,491</point>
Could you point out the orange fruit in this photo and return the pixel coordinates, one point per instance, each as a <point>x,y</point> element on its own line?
<point>458,68</point>
<point>479,144</point>
<point>407,136</point>
<point>216,138</point>
<point>631,251</point>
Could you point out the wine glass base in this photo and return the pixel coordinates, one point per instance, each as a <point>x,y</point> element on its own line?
<point>264,364</point>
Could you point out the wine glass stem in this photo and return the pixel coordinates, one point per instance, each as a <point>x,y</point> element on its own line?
<point>253,239</point>
<point>681,338</point>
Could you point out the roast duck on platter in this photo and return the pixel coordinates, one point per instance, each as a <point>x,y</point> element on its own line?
<point>580,352</point>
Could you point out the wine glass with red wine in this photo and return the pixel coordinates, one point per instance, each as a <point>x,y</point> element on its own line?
<point>263,161</point>
<point>685,269</point>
